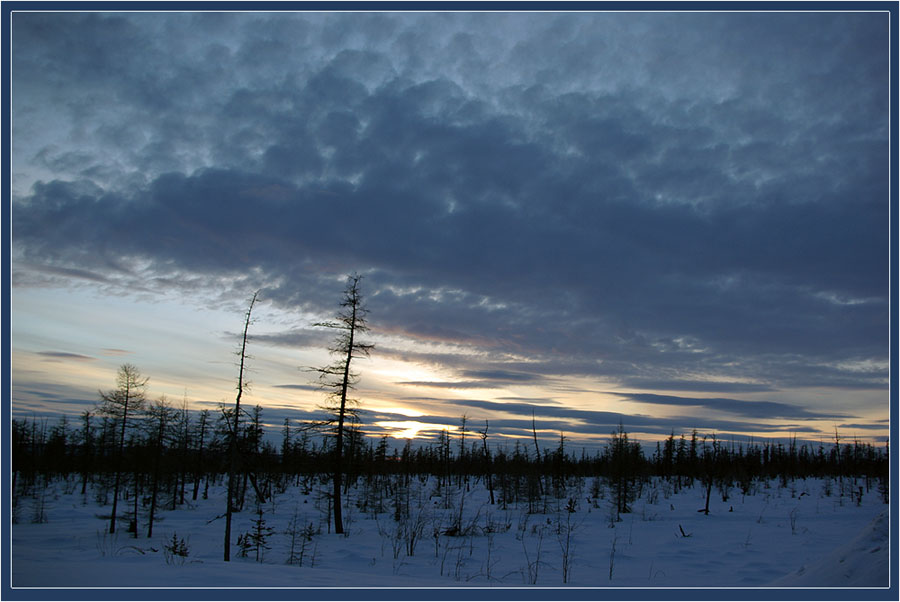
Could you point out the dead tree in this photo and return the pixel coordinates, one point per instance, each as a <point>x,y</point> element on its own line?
<point>537,456</point>
<point>338,379</point>
<point>233,430</point>
<point>487,461</point>
<point>203,420</point>
<point>160,415</point>
<point>710,460</point>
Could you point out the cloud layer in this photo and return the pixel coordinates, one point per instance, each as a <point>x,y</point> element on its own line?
<point>677,200</point>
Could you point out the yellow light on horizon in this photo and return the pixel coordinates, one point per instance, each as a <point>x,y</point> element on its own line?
<point>403,411</point>
<point>397,370</point>
<point>410,429</point>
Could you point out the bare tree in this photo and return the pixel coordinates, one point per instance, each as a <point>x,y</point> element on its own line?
<point>710,461</point>
<point>202,423</point>
<point>124,402</point>
<point>183,441</point>
<point>487,461</point>
<point>160,415</point>
<point>537,456</point>
<point>87,444</point>
<point>338,379</point>
<point>233,428</point>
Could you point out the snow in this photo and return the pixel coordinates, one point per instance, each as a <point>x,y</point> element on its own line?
<point>800,535</point>
<point>860,563</point>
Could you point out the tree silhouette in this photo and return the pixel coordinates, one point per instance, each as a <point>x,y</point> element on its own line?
<point>233,428</point>
<point>339,379</point>
<point>124,402</point>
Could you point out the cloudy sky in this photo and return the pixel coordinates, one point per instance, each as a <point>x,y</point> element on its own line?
<point>672,220</point>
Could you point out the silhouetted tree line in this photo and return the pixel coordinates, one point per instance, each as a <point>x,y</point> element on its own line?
<point>169,455</point>
<point>141,456</point>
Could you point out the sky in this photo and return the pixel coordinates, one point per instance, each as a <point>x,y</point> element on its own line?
<point>672,221</point>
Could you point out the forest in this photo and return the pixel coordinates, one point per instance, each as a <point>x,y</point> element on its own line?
<point>461,495</point>
<point>175,454</point>
<point>134,466</point>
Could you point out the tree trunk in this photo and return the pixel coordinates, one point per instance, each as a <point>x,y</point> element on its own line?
<point>112,520</point>
<point>199,467</point>
<point>339,442</point>
<point>709,484</point>
<point>233,451</point>
<point>154,488</point>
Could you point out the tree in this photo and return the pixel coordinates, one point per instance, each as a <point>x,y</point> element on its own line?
<point>256,540</point>
<point>461,472</point>
<point>487,461</point>
<point>286,445</point>
<point>202,423</point>
<point>339,379</point>
<point>623,458</point>
<point>183,441</point>
<point>87,445</point>
<point>537,457</point>
<point>124,402</point>
<point>710,461</point>
<point>233,428</point>
<point>160,416</point>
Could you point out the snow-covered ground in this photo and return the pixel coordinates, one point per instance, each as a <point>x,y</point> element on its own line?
<point>801,535</point>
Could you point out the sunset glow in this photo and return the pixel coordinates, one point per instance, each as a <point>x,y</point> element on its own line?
<point>563,221</point>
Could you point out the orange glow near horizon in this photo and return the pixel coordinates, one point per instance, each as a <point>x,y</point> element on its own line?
<point>403,411</point>
<point>411,429</point>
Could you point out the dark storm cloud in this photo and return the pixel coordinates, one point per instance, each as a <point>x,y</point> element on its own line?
<point>297,338</point>
<point>636,197</point>
<point>37,273</point>
<point>517,417</point>
<point>503,376</point>
<point>697,385</point>
<point>877,427</point>
<point>47,400</point>
<point>750,409</point>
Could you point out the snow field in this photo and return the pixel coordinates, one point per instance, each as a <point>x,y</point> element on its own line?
<point>804,534</point>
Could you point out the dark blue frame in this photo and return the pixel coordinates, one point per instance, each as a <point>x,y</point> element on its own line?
<point>9,593</point>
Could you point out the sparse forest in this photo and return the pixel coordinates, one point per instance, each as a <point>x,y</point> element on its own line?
<point>178,456</point>
<point>477,513</point>
<point>135,461</point>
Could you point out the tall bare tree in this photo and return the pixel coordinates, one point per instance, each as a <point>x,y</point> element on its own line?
<point>234,428</point>
<point>160,416</point>
<point>126,401</point>
<point>202,424</point>
<point>338,379</point>
<point>87,445</point>
<point>487,461</point>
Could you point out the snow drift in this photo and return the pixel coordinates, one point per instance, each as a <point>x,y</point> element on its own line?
<point>862,562</point>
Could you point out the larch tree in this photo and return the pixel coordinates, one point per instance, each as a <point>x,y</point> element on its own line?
<point>623,459</point>
<point>160,416</point>
<point>182,442</point>
<point>338,379</point>
<point>710,460</point>
<point>200,429</point>
<point>487,461</point>
<point>87,448</point>
<point>124,402</point>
